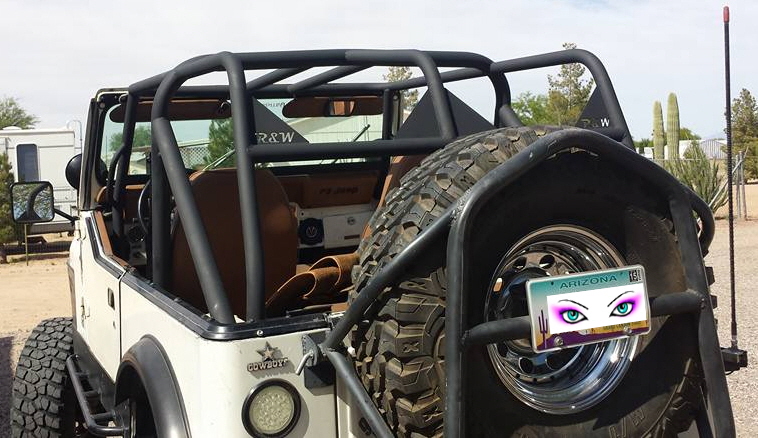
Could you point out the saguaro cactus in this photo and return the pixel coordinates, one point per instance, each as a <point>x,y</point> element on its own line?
<point>672,126</point>
<point>658,139</point>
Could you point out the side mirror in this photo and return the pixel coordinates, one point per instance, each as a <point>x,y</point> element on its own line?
<point>74,171</point>
<point>32,202</point>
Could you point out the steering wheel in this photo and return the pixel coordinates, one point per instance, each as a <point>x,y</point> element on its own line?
<point>143,195</point>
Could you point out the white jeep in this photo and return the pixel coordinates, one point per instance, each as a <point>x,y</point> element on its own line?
<point>286,255</point>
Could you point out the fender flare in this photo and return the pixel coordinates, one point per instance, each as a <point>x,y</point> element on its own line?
<point>594,142</point>
<point>146,363</point>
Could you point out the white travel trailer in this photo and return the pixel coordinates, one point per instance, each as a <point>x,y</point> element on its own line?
<point>41,155</point>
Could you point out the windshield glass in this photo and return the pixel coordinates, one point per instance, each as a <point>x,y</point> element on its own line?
<point>208,142</point>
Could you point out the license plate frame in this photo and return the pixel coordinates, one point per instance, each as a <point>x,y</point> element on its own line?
<point>587,307</point>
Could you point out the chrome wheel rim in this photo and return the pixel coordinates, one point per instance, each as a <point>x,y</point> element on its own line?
<point>567,381</point>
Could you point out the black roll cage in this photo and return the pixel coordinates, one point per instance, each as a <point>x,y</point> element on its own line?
<point>168,174</point>
<point>613,142</point>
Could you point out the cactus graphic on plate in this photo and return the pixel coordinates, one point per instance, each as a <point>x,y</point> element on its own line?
<point>543,325</point>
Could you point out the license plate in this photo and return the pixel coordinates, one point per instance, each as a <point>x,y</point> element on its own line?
<point>587,307</point>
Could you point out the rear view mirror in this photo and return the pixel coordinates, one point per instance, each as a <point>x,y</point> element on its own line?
<point>301,107</point>
<point>32,202</point>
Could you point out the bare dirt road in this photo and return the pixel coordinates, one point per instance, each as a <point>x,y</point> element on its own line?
<point>31,293</point>
<point>28,294</point>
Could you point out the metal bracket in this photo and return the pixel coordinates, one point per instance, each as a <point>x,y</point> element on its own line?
<point>734,358</point>
<point>317,371</point>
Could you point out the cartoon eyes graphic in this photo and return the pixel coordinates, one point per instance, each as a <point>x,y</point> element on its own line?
<point>620,307</point>
<point>623,309</point>
<point>572,316</point>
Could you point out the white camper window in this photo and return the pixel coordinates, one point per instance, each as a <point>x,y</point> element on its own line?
<point>28,162</point>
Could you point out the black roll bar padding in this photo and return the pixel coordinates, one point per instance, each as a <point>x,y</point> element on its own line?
<point>502,330</point>
<point>210,279</point>
<point>273,77</point>
<point>387,117</point>
<point>120,166</point>
<point>372,148</point>
<point>323,78</point>
<point>207,270</point>
<point>472,67</point>
<point>112,172</point>
<point>708,225</point>
<point>202,255</point>
<point>344,368</point>
<point>430,70</point>
<point>717,392</point>
<point>244,134</point>
<point>593,64</point>
<point>159,233</point>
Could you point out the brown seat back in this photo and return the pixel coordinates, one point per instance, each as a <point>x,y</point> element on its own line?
<point>217,196</point>
<point>399,166</point>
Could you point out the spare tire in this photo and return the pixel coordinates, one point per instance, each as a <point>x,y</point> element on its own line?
<point>574,212</point>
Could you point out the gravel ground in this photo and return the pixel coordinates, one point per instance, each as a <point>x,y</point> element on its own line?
<point>40,290</point>
<point>29,294</point>
<point>743,384</point>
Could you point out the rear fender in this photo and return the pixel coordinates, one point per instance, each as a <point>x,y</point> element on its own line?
<point>628,160</point>
<point>147,364</point>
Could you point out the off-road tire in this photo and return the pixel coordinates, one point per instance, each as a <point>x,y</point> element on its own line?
<point>44,403</point>
<point>399,350</point>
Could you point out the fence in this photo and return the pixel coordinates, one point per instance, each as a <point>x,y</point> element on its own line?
<point>739,175</point>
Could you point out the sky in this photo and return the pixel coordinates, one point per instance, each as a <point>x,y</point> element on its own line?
<point>55,55</point>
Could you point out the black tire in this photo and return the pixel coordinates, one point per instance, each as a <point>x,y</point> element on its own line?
<point>399,350</point>
<point>44,403</point>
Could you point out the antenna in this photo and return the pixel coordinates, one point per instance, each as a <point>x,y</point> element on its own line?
<point>734,358</point>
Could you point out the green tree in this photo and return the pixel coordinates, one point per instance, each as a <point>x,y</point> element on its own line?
<point>566,98</point>
<point>401,73</point>
<point>745,130</point>
<point>12,114</point>
<point>142,137</point>
<point>568,92</point>
<point>687,134</point>
<point>641,144</point>
<point>220,140</point>
<point>7,228</point>
<point>532,109</point>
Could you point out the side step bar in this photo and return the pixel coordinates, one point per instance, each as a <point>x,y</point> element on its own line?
<point>97,424</point>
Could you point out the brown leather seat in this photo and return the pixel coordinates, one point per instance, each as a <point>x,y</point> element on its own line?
<point>217,196</point>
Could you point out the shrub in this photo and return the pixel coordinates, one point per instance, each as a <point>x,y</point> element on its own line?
<point>700,174</point>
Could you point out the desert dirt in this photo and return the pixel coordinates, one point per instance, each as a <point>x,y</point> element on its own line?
<point>40,290</point>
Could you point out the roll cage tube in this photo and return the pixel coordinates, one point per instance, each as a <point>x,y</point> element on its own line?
<point>599,74</point>
<point>167,170</point>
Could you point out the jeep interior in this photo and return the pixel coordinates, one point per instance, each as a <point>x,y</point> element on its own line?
<point>308,209</point>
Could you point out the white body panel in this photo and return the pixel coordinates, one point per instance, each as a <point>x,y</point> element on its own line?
<point>97,322</point>
<point>55,147</point>
<point>213,376</point>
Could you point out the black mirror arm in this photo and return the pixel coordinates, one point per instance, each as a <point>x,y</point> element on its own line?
<point>66,216</point>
